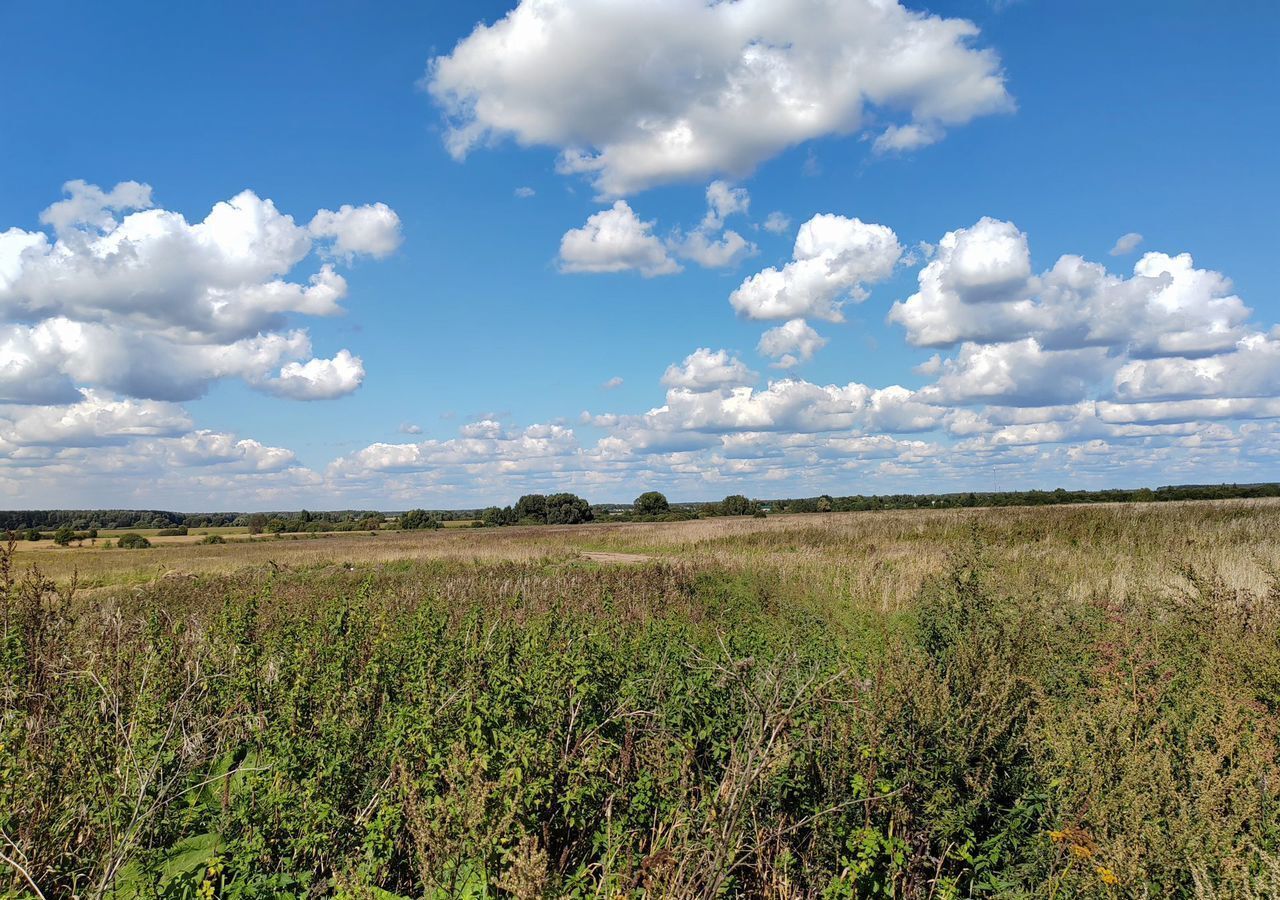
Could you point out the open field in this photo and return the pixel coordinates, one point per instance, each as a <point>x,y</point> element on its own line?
<point>1053,702</point>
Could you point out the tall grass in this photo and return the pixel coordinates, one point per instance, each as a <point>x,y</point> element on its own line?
<point>1046,703</point>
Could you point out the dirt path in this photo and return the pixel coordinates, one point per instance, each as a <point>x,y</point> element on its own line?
<point>603,556</point>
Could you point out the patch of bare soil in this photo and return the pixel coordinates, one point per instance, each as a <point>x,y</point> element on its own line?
<point>603,556</point>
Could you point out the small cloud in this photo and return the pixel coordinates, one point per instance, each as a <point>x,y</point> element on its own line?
<point>777,222</point>
<point>811,167</point>
<point>612,384</point>
<point>616,240</point>
<point>524,192</point>
<point>409,428</point>
<point>1126,244</point>
<point>905,138</point>
<point>931,366</point>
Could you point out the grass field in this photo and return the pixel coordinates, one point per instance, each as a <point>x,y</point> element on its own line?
<point>1052,702</point>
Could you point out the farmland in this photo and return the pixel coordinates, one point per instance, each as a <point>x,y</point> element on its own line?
<point>1050,702</point>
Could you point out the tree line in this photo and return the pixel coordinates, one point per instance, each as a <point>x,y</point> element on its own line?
<point>570,509</point>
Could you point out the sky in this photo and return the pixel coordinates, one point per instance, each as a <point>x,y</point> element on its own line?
<point>350,255</point>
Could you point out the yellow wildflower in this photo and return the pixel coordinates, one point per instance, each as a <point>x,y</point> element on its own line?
<point>1057,836</point>
<point>1107,876</point>
<point>1079,851</point>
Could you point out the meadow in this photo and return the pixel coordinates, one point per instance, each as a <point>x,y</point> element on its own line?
<point>1042,702</point>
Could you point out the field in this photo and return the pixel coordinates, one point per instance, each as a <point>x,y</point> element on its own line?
<point>1054,702</point>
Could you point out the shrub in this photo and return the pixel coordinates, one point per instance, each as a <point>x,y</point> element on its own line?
<point>214,539</point>
<point>173,532</point>
<point>133,541</point>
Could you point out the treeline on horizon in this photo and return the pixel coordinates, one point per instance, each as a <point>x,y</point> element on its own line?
<point>570,509</point>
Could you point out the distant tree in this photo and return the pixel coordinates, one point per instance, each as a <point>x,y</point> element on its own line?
<point>33,534</point>
<point>531,507</point>
<point>133,541</point>
<point>568,509</point>
<point>415,519</point>
<point>651,503</point>
<point>257,523</point>
<point>492,516</point>
<point>64,536</point>
<point>824,503</point>
<point>736,505</point>
<point>214,539</point>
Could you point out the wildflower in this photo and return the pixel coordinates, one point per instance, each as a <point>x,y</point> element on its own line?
<point>1057,836</point>
<point>1080,851</point>
<point>1107,876</point>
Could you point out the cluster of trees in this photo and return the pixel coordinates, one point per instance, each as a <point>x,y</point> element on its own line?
<point>540,509</point>
<point>86,519</point>
<point>653,506</point>
<point>858,502</point>
<point>416,519</point>
<point>304,521</point>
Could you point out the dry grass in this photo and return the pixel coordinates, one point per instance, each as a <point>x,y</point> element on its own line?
<point>905,704</point>
<point>881,557</point>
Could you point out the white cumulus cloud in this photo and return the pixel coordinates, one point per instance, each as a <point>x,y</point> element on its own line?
<point>371,230</point>
<point>641,94</point>
<point>833,259</point>
<point>791,343</point>
<point>706,369</point>
<point>615,240</point>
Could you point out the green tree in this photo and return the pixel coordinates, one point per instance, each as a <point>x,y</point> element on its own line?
<point>64,536</point>
<point>532,507</point>
<point>568,509</point>
<point>416,519</point>
<point>33,534</point>
<point>736,505</point>
<point>651,503</point>
<point>133,541</point>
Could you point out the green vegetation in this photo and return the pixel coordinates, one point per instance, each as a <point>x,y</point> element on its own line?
<point>651,503</point>
<point>1041,703</point>
<point>415,519</point>
<point>132,541</point>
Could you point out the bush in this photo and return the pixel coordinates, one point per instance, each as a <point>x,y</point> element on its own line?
<point>214,539</point>
<point>63,536</point>
<point>133,541</point>
<point>180,531</point>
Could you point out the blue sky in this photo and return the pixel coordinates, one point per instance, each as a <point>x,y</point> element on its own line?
<point>465,321</point>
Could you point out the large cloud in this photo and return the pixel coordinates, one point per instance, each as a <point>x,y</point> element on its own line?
<point>638,94</point>
<point>140,301</point>
<point>980,288</point>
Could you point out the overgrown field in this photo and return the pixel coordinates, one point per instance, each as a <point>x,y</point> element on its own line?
<point>1059,702</point>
